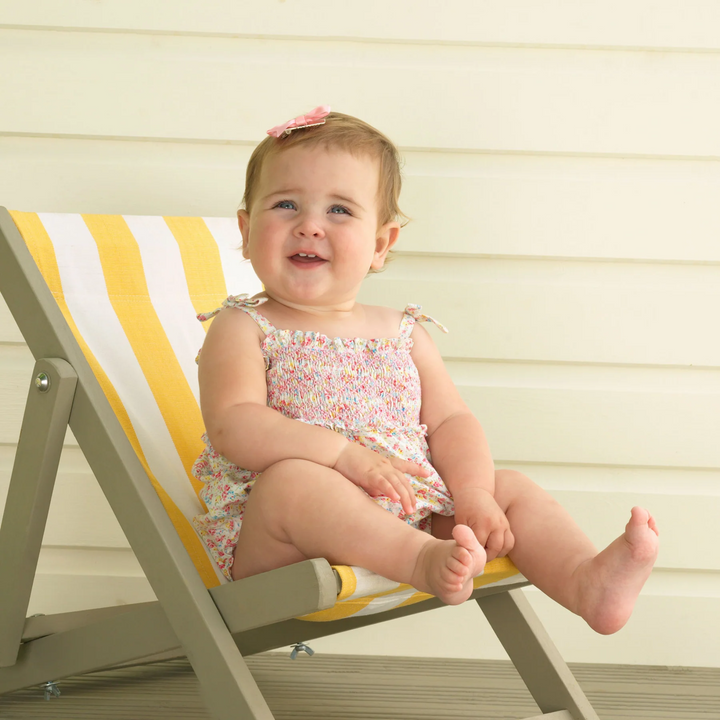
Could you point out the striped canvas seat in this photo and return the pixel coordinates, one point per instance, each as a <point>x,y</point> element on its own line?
<point>130,288</point>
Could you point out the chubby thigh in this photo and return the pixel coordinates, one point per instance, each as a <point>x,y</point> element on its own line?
<point>299,510</point>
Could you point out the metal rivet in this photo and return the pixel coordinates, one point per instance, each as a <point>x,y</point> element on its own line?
<point>42,382</point>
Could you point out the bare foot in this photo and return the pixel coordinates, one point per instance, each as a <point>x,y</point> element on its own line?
<point>446,568</point>
<point>612,580</point>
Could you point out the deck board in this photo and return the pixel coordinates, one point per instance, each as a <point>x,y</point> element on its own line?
<point>382,688</point>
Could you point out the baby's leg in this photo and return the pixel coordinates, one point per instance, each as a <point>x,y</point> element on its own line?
<point>556,556</point>
<point>298,510</point>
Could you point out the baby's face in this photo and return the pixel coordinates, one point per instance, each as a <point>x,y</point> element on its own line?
<point>312,233</point>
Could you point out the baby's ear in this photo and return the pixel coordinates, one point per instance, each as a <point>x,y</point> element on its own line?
<point>244,225</point>
<point>387,236</point>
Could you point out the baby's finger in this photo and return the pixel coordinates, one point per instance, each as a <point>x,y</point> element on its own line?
<point>403,488</point>
<point>495,544</point>
<point>382,487</point>
<point>411,468</point>
<point>480,534</point>
<point>406,483</point>
<point>509,543</point>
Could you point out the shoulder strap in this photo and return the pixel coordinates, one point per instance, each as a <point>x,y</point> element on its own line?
<point>411,315</point>
<point>247,304</point>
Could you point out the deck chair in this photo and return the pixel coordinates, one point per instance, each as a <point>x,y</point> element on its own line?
<point>107,306</point>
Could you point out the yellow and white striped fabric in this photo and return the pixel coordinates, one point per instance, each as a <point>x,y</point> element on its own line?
<point>365,593</point>
<point>130,288</point>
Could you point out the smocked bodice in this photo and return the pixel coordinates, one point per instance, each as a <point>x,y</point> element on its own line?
<point>343,383</point>
<point>347,384</point>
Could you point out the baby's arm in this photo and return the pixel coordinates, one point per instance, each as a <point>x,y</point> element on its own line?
<point>459,449</point>
<point>233,399</point>
<point>242,428</point>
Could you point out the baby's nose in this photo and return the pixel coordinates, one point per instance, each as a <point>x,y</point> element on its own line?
<point>308,227</point>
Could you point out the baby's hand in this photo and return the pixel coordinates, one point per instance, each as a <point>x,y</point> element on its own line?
<point>378,475</point>
<point>477,509</point>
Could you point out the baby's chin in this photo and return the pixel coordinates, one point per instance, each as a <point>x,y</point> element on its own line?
<point>314,305</point>
<point>311,297</point>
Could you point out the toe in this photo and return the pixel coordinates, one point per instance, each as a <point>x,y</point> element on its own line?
<point>653,525</point>
<point>462,555</point>
<point>452,580</point>
<point>459,567</point>
<point>639,516</point>
<point>465,537</point>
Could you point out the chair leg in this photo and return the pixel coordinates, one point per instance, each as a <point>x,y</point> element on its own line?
<point>36,462</point>
<point>535,656</point>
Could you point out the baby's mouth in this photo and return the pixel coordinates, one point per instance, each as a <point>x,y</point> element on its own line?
<point>307,258</point>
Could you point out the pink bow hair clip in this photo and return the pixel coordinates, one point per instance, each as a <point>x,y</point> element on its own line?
<point>313,118</point>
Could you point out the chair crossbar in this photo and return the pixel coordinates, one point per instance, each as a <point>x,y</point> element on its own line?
<point>89,647</point>
<point>243,604</point>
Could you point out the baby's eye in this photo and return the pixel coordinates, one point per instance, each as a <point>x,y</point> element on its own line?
<point>285,205</point>
<point>340,210</point>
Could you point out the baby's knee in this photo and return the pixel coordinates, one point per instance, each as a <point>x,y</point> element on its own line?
<point>277,480</point>
<point>289,466</point>
<point>288,481</point>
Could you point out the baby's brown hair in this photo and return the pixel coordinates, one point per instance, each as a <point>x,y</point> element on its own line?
<point>341,132</point>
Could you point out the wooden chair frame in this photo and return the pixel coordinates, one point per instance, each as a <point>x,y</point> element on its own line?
<point>215,627</point>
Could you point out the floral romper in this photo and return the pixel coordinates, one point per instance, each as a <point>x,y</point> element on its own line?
<point>366,390</point>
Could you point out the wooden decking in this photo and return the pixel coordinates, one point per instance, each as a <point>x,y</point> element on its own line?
<point>332,687</point>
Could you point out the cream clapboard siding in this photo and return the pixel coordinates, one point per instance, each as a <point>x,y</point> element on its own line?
<point>562,175</point>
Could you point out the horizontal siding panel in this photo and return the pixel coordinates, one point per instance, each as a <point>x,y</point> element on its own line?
<point>664,630</point>
<point>599,426</point>
<point>122,177</point>
<point>79,516</point>
<point>9,331</point>
<point>65,592</point>
<point>592,102</point>
<point>472,203</point>
<point>561,312</point>
<point>573,377</point>
<point>568,207</point>
<point>690,634</point>
<point>636,481</point>
<point>641,23</point>
<point>16,364</point>
<point>116,562</point>
<point>683,522</point>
